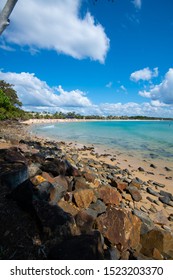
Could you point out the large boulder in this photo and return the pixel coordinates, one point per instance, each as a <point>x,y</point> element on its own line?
<point>157,239</point>
<point>120,227</point>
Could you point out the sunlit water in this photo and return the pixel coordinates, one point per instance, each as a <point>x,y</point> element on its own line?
<point>149,139</point>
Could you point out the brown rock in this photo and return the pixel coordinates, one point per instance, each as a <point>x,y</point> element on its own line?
<point>120,185</point>
<point>84,221</point>
<point>68,207</point>
<point>109,195</point>
<point>160,218</point>
<point>83,198</point>
<point>80,183</point>
<point>120,227</point>
<point>134,193</point>
<point>159,239</point>
<point>37,180</point>
<point>90,177</point>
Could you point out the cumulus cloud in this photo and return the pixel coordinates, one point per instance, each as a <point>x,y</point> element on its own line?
<point>57,25</point>
<point>162,92</point>
<point>37,95</point>
<point>137,3</point>
<point>144,74</point>
<point>33,92</point>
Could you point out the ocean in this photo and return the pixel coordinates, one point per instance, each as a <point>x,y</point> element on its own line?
<point>147,139</point>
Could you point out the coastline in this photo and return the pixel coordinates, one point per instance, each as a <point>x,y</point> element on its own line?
<point>100,164</point>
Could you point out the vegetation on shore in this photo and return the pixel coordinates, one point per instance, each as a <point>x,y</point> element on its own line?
<point>10,108</point>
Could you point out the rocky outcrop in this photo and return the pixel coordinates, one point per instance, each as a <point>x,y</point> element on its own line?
<point>84,208</point>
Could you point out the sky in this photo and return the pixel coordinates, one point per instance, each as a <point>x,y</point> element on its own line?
<point>91,57</point>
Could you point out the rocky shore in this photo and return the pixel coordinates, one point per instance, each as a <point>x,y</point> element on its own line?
<point>60,201</point>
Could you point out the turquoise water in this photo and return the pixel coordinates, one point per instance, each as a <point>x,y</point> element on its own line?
<point>152,139</point>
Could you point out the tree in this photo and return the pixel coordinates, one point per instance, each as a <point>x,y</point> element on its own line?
<point>10,93</point>
<point>5,13</point>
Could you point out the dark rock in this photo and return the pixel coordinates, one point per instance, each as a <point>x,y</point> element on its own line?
<point>158,184</point>
<point>112,253</point>
<point>84,221</point>
<point>153,166</point>
<point>151,191</point>
<point>141,169</point>
<point>163,193</point>
<point>52,216</point>
<point>82,247</point>
<point>120,227</point>
<point>44,190</point>
<point>167,168</point>
<point>165,199</point>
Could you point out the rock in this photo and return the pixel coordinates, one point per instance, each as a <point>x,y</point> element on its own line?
<point>147,224</point>
<point>57,193</point>
<point>165,199</point>
<point>82,247</point>
<point>13,167</point>
<point>163,193</point>
<point>98,206</point>
<point>55,167</point>
<point>160,219</point>
<point>83,198</point>
<point>44,190</point>
<point>90,177</point>
<point>84,221</point>
<point>153,166</point>
<point>54,217</point>
<point>167,168</point>
<point>120,185</point>
<point>134,193</point>
<point>61,181</point>
<point>158,184</point>
<point>68,207</point>
<point>136,183</point>
<point>170,218</point>
<point>38,179</point>
<point>34,169</point>
<point>120,227</point>
<point>112,253</point>
<point>109,195</point>
<point>80,183</point>
<point>141,169</point>
<point>151,191</point>
<point>159,239</point>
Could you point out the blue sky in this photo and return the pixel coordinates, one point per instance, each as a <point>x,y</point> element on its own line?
<point>107,58</point>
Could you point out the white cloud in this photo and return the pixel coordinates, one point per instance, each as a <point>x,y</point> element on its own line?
<point>144,74</point>
<point>123,88</point>
<point>33,92</point>
<point>37,95</point>
<point>137,3</point>
<point>57,25</point>
<point>162,92</point>
<point>109,85</point>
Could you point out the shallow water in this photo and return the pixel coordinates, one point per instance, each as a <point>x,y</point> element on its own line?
<point>149,139</point>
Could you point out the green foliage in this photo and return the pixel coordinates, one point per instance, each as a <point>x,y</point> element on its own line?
<point>10,93</point>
